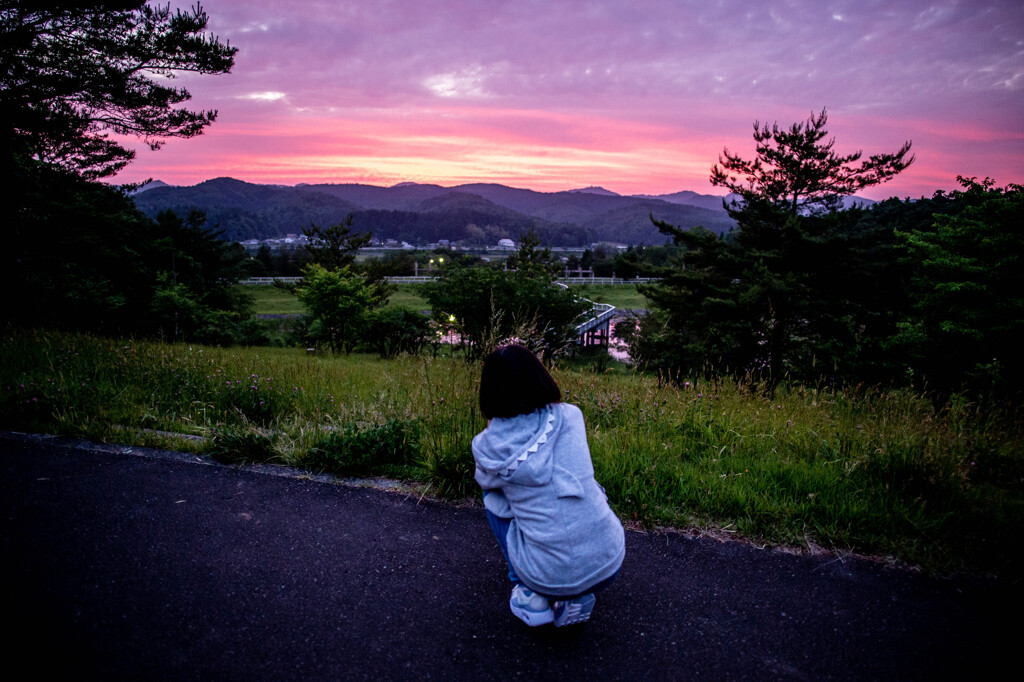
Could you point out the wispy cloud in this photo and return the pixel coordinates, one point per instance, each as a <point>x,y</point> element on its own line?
<point>270,96</point>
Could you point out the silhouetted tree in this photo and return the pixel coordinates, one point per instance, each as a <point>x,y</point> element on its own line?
<point>78,254</point>
<point>797,172</point>
<point>72,72</point>
<point>531,256</point>
<point>335,246</point>
<point>768,299</point>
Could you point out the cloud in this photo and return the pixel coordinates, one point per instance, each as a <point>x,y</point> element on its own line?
<point>594,82</point>
<point>467,83</point>
<point>263,96</point>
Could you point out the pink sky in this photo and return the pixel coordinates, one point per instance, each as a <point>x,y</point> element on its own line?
<point>635,96</point>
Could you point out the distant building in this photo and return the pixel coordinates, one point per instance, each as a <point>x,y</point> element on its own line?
<point>506,244</point>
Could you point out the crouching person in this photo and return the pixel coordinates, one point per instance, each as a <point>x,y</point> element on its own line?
<point>561,540</point>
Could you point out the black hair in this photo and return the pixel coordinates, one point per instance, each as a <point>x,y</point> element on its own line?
<point>514,382</point>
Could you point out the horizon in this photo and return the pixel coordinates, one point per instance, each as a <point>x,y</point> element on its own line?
<point>401,183</point>
<point>634,98</point>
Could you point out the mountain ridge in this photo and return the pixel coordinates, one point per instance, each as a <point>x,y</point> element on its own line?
<point>427,212</point>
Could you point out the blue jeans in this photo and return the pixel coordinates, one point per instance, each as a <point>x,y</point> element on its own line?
<point>500,526</point>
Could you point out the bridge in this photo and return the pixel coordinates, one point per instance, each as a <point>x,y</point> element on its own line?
<point>596,329</point>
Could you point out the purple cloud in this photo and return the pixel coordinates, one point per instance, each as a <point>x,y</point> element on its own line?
<point>638,96</point>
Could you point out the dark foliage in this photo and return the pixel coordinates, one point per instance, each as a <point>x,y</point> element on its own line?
<point>798,289</point>
<point>485,307</point>
<point>531,255</point>
<point>925,293</point>
<point>797,172</point>
<point>79,254</point>
<point>71,72</point>
<point>967,290</point>
<point>395,330</point>
<point>335,246</point>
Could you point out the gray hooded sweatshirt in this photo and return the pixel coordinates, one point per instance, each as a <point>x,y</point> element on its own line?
<point>564,538</point>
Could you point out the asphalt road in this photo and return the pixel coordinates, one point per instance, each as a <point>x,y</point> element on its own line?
<point>126,563</point>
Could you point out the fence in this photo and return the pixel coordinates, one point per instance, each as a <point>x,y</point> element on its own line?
<point>267,281</point>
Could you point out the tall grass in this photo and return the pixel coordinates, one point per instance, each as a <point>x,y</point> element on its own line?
<point>881,472</point>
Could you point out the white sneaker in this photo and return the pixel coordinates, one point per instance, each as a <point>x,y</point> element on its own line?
<point>530,607</point>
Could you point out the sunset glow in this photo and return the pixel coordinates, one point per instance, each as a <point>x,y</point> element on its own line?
<point>637,97</point>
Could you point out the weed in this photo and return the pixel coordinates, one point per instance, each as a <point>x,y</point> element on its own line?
<point>241,445</point>
<point>387,449</point>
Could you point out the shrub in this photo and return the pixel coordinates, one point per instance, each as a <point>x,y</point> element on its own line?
<point>386,449</point>
<point>395,330</point>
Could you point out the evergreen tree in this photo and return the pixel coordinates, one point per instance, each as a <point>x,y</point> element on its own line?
<point>79,254</point>
<point>768,298</point>
<point>335,246</point>
<point>969,290</point>
<point>797,172</point>
<point>72,72</point>
<point>532,257</point>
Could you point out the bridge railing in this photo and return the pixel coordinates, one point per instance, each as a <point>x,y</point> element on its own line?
<point>600,313</point>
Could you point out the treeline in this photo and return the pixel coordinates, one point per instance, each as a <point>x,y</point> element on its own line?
<point>77,253</point>
<point>81,256</point>
<point>603,260</point>
<point>926,293</point>
<point>629,263</point>
<point>465,226</point>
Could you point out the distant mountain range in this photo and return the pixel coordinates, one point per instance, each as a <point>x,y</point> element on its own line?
<point>420,213</point>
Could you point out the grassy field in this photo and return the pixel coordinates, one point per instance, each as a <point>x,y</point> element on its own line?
<point>860,470</point>
<point>619,295</point>
<point>268,300</point>
<point>408,296</point>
